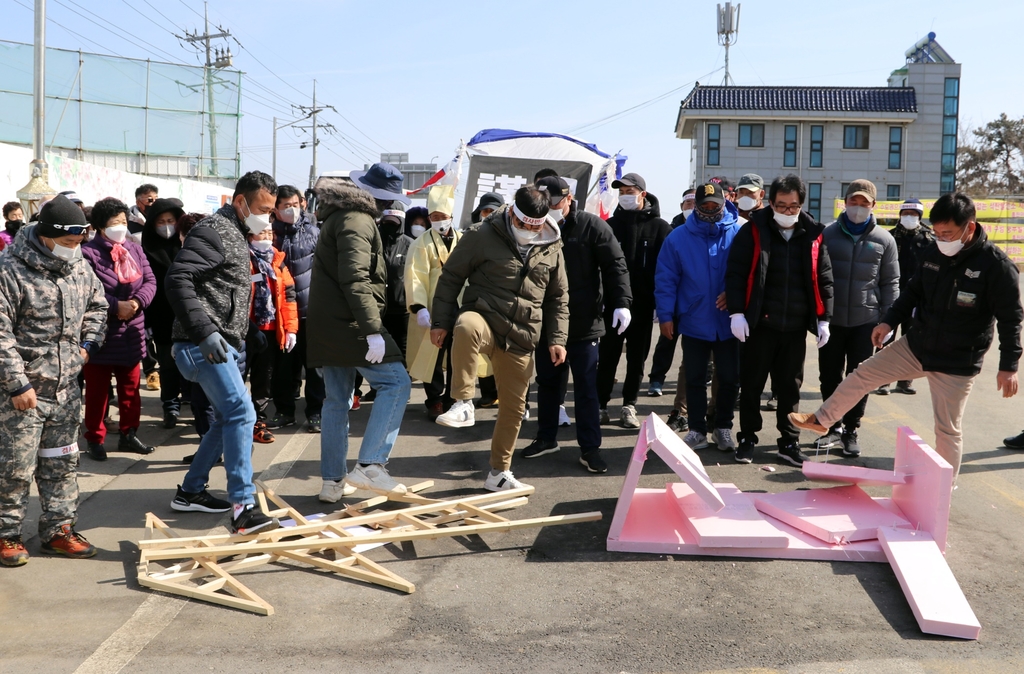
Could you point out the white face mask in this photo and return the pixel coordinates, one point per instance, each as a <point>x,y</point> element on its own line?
<point>441,226</point>
<point>686,213</point>
<point>524,236</point>
<point>417,231</point>
<point>556,214</point>
<point>951,248</point>
<point>116,233</point>
<point>858,215</point>
<point>65,253</point>
<point>629,202</point>
<point>786,221</point>
<point>255,223</point>
<point>166,231</point>
<point>290,215</point>
<point>746,203</point>
<point>910,221</point>
<point>262,245</point>
<point>91,235</point>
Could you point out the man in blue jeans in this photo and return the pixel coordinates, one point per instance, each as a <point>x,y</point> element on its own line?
<point>208,287</point>
<point>346,333</point>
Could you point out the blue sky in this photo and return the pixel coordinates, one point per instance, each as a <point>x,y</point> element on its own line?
<point>417,77</point>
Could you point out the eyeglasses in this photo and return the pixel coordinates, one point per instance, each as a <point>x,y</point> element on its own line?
<point>791,209</point>
<point>72,230</point>
<point>959,235</point>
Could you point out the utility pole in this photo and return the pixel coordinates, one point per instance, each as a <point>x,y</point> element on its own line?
<point>313,112</point>
<point>728,33</point>
<point>215,58</point>
<point>273,163</point>
<point>38,186</point>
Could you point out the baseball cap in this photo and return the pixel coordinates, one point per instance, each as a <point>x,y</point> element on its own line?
<point>862,187</point>
<point>752,182</point>
<point>710,192</point>
<point>630,180</point>
<point>555,186</point>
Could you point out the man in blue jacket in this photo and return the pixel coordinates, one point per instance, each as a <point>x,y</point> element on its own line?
<point>689,292</point>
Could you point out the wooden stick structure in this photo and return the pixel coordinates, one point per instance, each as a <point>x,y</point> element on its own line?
<point>202,567</point>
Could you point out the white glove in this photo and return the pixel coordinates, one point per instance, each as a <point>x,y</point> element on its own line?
<point>423,318</point>
<point>739,327</point>
<point>621,319</point>
<point>823,333</point>
<point>375,352</point>
<point>289,342</point>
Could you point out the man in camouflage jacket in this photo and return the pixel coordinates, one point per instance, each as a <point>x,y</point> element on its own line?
<point>53,316</point>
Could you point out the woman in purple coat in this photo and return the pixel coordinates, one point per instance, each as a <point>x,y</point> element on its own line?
<point>129,285</point>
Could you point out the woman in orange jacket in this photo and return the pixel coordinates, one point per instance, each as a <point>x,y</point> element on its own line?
<point>275,313</point>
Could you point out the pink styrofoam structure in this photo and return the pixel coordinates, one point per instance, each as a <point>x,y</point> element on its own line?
<point>865,477</point>
<point>654,520</point>
<point>834,515</point>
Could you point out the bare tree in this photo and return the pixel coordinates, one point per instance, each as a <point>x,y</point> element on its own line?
<point>990,159</point>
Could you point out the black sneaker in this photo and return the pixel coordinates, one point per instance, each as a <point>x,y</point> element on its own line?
<point>850,446</point>
<point>791,455</point>
<point>96,452</point>
<point>370,396</point>
<point>829,440</point>
<point>202,502</point>
<point>771,404</point>
<point>605,418</point>
<point>170,420</point>
<point>280,421</point>
<point>486,403</point>
<point>744,451</point>
<point>129,442</point>
<point>252,520</point>
<point>905,387</point>
<point>593,461</point>
<point>313,423</point>
<point>882,390</point>
<point>677,422</point>
<point>1016,442</point>
<point>540,448</point>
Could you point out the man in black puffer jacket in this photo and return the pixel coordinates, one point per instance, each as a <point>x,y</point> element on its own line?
<point>596,272</point>
<point>640,230</point>
<point>296,234</point>
<point>965,290</point>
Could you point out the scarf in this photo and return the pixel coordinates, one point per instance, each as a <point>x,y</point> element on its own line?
<point>125,266</point>
<point>856,230</point>
<point>263,301</point>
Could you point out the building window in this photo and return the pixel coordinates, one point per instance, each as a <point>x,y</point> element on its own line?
<point>789,148</point>
<point>892,193</point>
<point>751,135</point>
<point>950,111</point>
<point>842,190</point>
<point>817,145</point>
<point>855,137</point>
<point>814,200</point>
<point>714,143</point>
<point>895,147</point>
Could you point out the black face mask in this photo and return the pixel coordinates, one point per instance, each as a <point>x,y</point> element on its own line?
<point>14,225</point>
<point>710,218</point>
<point>389,226</point>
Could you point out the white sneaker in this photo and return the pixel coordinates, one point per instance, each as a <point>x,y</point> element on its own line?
<point>628,418</point>
<point>374,478</point>
<point>333,490</point>
<point>722,437</point>
<point>526,412</point>
<point>563,417</point>
<point>696,440</point>
<point>503,481</point>
<point>461,415</point>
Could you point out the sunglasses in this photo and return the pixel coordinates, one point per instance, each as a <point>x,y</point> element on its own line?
<point>73,230</point>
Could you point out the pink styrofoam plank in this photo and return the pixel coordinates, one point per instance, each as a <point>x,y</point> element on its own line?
<point>683,461</point>
<point>925,497</point>
<point>928,583</point>
<point>652,526</point>
<point>837,472</point>
<point>636,466</point>
<point>737,525</point>
<point>834,515</point>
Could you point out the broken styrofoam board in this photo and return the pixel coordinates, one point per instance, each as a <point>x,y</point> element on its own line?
<point>630,482</point>
<point>931,589</point>
<point>651,525</point>
<point>737,525</point>
<point>835,515</point>
<point>837,472</point>
<point>683,461</point>
<point>925,498</point>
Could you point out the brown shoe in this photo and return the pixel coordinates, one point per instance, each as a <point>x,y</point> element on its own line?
<point>68,543</point>
<point>153,381</point>
<point>261,435</point>
<point>434,411</point>
<point>13,552</point>
<point>808,422</point>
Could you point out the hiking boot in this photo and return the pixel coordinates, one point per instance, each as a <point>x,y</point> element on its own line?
<point>280,421</point>
<point>850,446</point>
<point>654,390</point>
<point>882,390</point>
<point>313,423</point>
<point>170,420</point>
<point>745,451</point>
<point>829,440</point>
<point>563,417</point>
<point>97,452</point>
<point>593,462</point>
<point>252,520</point>
<point>1016,442</point>
<point>696,440</point>
<point>376,478</point>
<point>677,422</point>
<point>434,410</point>
<point>628,417</point>
<point>905,387</point>
<point>605,417</point>
<point>202,502</point>
<point>722,438</point>
<point>540,448</point>
<point>333,490</point>
<point>807,422</point>
<point>790,454</point>
<point>261,435</point>
<point>503,481</point>
<point>13,552</point>
<point>68,543</point>
<point>153,381</point>
<point>129,442</point>
<point>461,415</point>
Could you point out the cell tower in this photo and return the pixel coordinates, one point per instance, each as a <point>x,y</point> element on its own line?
<point>728,33</point>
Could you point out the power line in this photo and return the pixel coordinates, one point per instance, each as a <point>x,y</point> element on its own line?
<point>147,17</point>
<point>189,7</point>
<point>109,29</point>
<point>166,18</point>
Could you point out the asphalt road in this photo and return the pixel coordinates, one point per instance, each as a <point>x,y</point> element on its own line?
<point>549,600</point>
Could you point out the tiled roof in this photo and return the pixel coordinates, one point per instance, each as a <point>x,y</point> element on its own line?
<point>805,99</point>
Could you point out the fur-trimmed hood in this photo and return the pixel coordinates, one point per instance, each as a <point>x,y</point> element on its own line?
<point>338,194</point>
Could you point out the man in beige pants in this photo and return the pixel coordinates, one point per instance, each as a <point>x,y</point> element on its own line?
<point>964,290</point>
<point>516,289</point>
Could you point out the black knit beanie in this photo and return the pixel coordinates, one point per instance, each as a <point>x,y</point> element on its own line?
<point>59,211</point>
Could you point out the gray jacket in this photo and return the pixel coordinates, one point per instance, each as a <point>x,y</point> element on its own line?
<point>865,272</point>
<point>49,309</point>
